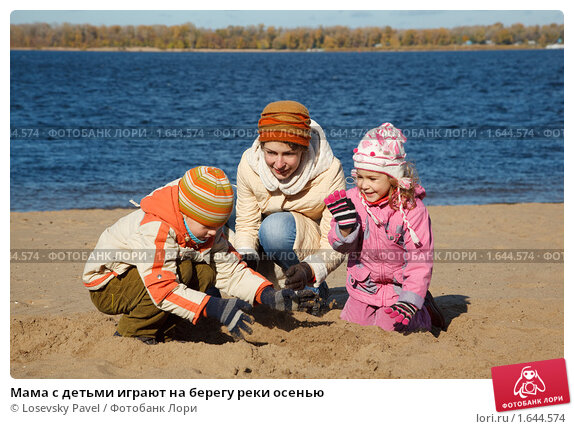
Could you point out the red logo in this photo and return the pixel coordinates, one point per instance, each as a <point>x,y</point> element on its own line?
<point>529,385</point>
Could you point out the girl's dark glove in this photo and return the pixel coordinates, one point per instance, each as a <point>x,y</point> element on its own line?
<point>402,312</point>
<point>299,276</point>
<point>229,312</point>
<point>343,209</point>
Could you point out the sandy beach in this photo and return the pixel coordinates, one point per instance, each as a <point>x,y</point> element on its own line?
<point>500,310</point>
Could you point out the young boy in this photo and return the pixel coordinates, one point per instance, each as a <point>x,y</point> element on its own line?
<point>164,259</point>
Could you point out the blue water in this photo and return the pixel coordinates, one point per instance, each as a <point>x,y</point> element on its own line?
<point>452,93</point>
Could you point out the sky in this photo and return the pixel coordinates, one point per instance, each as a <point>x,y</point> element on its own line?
<point>292,18</point>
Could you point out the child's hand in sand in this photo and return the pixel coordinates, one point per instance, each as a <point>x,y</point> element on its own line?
<point>228,312</point>
<point>287,299</point>
<point>278,300</point>
<point>402,312</point>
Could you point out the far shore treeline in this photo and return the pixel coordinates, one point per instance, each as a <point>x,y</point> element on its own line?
<point>260,37</point>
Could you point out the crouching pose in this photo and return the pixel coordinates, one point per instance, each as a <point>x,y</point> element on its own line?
<point>169,260</point>
<point>281,222</point>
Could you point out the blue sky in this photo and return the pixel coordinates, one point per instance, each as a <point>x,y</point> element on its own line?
<point>292,18</point>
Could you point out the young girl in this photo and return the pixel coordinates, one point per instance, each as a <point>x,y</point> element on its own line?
<point>384,227</point>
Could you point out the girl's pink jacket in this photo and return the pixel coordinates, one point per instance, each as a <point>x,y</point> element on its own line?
<point>384,265</point>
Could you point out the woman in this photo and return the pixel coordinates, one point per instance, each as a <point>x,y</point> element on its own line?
<point>281,217</point>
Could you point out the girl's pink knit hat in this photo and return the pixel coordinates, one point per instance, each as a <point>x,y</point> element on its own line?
<point>381,150</point>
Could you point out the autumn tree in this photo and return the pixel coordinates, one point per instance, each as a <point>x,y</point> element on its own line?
<point>188,36</point>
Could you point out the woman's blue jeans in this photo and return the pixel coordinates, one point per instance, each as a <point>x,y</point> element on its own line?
<point>277,236</point>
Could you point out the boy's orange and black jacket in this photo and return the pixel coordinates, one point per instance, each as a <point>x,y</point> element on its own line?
<point>153,239</point>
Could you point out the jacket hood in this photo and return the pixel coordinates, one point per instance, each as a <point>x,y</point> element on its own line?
<point>317,159</point>
<point>163,203</point>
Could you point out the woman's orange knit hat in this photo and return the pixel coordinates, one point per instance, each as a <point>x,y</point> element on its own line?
<point>285,121</point>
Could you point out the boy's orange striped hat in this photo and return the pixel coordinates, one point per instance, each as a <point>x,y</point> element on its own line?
<point>206,196</point>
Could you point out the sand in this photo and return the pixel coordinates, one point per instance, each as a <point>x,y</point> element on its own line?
<point>499,312</point>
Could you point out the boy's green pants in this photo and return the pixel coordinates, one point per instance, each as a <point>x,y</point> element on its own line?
<point>127,295</point>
